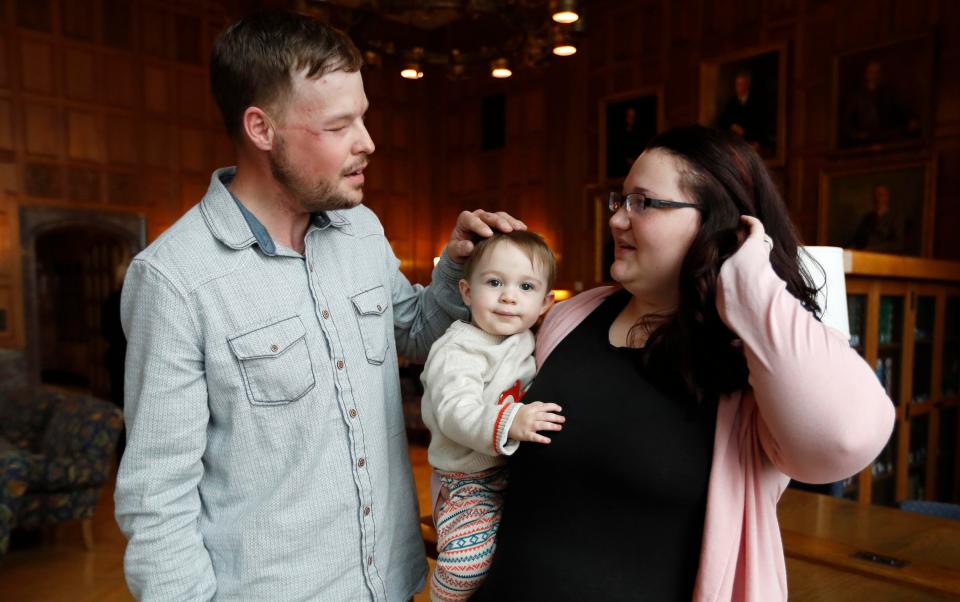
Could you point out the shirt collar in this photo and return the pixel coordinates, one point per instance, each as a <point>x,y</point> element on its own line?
<point>237,227</point>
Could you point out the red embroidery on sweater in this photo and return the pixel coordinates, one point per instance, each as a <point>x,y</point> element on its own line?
<point>513,392</point>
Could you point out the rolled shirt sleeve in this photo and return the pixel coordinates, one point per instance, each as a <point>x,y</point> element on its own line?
<point>421,316</point>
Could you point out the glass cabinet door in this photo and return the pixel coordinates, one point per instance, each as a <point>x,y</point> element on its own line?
<point>857,316</point>
<point>917,457</point>
<point>923,348</point>
<point>887,368</point>
<point>849,488</point>
<point>948,452</point>
<point>951,349</point>
<point>889,346</point>
<point>909,335</point>
<point>922,415</point>
<point>947,487</point>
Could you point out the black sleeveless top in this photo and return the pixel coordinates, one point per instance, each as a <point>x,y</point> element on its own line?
<point>613,508</point>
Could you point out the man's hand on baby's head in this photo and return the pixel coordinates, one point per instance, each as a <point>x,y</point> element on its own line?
<point>533,417</point>
<point>476,225</point>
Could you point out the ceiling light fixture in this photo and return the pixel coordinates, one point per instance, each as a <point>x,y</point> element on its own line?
<point>563,42</point>
<point>412,69</point>
<point>564,11</point>
<point>500,68</point>
<point>458,38</point>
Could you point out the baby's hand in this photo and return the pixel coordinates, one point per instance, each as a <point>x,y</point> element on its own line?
<point>533,417</point>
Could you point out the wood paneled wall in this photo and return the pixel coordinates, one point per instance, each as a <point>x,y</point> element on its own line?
<point>661,43</point>
<point>104,104</point>
<point>401,176</point>
<point>512,178</point>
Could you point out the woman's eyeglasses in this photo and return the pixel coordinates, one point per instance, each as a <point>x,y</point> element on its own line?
<point>636,202</point>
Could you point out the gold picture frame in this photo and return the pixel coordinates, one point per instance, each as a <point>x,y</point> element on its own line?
<point>595,199</point>
<point>883,96</point>
<point>760,115</point>
<point>881,209</point>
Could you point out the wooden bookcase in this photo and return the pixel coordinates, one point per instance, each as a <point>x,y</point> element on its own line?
<point>905,321</point>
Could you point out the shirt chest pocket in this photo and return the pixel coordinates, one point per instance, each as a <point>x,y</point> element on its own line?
<point>371,306</point>
<point>275,362</point>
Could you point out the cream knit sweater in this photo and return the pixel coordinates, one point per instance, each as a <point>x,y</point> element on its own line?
<point>467,372</point>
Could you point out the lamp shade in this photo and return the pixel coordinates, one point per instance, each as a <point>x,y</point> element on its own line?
<point>830,281</point>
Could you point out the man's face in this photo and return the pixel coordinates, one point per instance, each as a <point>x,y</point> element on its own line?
<point>742,85</point>
<point>881,199</point>
<point>872,74</point>
<point>321,145</point>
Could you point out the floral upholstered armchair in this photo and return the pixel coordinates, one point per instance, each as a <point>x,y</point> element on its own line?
<point>65,443</point>
<point>13,483</point>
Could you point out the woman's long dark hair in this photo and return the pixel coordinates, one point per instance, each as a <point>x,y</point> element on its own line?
<point>691,352</point>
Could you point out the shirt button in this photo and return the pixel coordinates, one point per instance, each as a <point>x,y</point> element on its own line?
<point>366,511</point>
<point>379,308</point>
<point>369,560</point>
<point>340,364</point>
<point>325,314</point>
<point>361,463</point>
<point>353,413</point>
<point>274,348</point>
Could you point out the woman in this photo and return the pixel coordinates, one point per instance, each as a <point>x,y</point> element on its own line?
<point>693,393</point>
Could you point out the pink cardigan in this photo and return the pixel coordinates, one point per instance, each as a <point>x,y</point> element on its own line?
<point>814,412</point>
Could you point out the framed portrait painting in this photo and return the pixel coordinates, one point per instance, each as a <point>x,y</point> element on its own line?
<point>595,199</point>
<point>627,123</point>
<point>885,210</point>
<point>746,93</point>
<point>883,95</point>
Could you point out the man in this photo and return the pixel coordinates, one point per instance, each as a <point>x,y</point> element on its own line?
<point>629,143</point>
<point>266,457</point>
<point>873,114</point>
<point>883,229</point>
<point>744,114</point>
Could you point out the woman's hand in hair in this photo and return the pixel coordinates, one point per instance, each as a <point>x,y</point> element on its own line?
<point>754,229</point>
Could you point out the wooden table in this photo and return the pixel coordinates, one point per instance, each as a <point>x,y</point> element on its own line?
<point>821,534</point>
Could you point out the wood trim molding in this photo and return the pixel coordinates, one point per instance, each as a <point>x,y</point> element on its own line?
<point>861,263</point>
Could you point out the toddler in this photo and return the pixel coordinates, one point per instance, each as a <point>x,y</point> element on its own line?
<point>474,378</point>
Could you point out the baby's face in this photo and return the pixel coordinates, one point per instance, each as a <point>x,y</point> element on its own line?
<point>507,292</point>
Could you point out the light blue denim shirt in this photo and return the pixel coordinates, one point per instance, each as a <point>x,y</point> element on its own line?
<point>266,457</point>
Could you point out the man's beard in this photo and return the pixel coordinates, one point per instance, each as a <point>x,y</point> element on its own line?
<point>312,197</point>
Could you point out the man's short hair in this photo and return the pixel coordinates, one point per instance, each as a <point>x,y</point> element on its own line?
<point>254,60</point>
<point>532,245</point>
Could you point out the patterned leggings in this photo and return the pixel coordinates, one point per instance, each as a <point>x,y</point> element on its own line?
<point>467,517</point>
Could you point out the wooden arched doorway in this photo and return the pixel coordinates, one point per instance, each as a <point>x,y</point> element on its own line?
<point>71,261</point>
